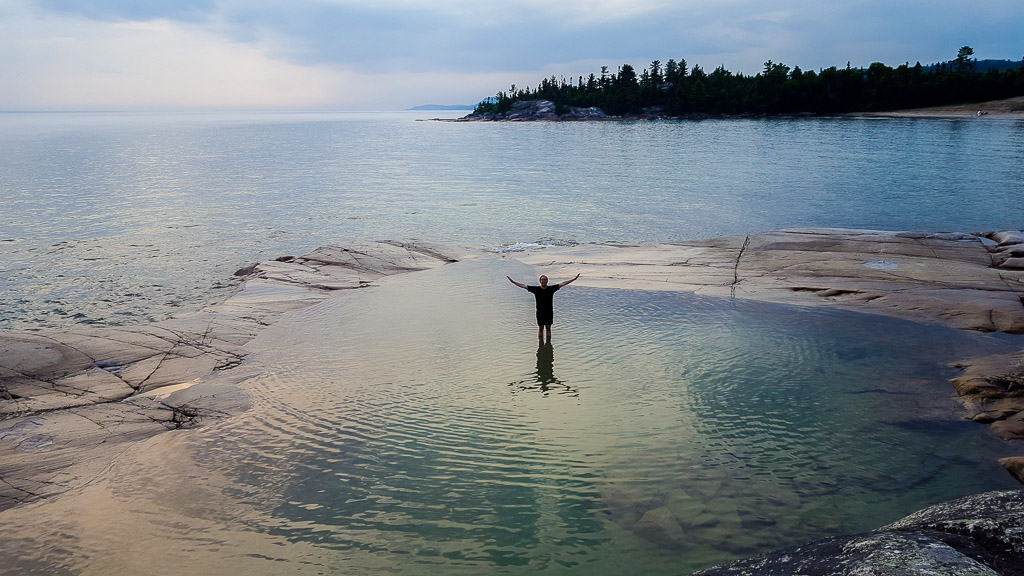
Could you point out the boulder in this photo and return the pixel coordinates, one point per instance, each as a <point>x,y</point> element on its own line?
<point>1013,264</point>
<point>1015,466</point>
<point>1010,428</point>
<point>589,113</point>
<point>1006,237</point>
<point>980,535</point>
<point>532,110</point>
<point>991,388</point>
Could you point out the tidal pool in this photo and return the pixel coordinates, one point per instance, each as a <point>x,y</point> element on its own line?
<point>421,422</point>
<point>417,427</point>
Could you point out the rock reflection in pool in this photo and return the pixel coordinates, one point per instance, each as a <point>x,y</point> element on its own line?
<point>384,435</point>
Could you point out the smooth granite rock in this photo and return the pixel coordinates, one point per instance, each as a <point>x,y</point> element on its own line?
<point>936,277</point>
<point>991,388</point>
<point>1015,466</point>
<point>70,399</point>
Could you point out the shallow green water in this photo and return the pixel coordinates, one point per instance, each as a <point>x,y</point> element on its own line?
<point>416,427</point>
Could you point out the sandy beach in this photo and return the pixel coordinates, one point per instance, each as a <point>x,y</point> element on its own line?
<point>1009,109</point>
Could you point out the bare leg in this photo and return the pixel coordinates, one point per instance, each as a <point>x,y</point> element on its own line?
<point>548,328</point>
<point>540,332</point>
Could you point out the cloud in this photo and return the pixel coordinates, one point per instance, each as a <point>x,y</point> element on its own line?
<point>350,52</point>
<point>132,9</point>
<point>66,61</point>
<point>62,62</point>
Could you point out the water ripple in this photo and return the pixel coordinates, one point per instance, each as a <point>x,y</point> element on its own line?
<point>384,427</point>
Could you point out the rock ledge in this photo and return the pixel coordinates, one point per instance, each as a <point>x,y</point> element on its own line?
<point>979,535</point>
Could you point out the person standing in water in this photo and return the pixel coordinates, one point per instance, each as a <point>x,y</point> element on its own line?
<point>543,294</point>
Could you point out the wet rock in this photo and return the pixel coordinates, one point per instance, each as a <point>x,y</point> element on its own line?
<point>934,277</point>
<point>245,271</point>
<point>988,527</point>
<point>988,410</point>
<point>1006,237</point>
<point>991,388</point>
<point>1015,466</point>
<point>1010,428</point>
<point>976,535</point>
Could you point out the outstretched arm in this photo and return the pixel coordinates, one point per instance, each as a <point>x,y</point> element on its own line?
<point>569,281</point>
<point>520,284</point>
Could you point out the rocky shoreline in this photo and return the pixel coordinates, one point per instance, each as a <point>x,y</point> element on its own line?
<point>956,279</point>
<point>980,535</point>
<point>71,401</point>
<point>547,111</point>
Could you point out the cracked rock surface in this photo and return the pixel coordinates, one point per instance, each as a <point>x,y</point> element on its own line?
<point>950,278</point>
<point>71,400</point>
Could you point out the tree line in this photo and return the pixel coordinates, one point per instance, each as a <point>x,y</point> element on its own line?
<point>676,89</point>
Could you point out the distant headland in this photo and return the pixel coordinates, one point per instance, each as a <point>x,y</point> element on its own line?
<point>675,90</point>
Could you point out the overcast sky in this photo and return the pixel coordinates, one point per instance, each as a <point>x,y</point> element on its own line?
<point>392,54</point>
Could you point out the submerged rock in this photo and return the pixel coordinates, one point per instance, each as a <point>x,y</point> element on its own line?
<point>979,535</point>
<point>659,525</point>
<point>85,392</point>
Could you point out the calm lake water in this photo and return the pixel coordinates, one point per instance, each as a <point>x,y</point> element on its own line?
<point>416,427</point>
<point>119,218</point>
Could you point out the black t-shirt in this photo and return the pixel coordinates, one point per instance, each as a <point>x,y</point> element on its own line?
<point>543,296</point>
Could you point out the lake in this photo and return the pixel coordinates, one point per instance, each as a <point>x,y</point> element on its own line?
<point>121,218</point>
<point>417,426</point>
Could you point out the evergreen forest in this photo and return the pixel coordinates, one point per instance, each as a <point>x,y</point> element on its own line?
<point>676,89</point>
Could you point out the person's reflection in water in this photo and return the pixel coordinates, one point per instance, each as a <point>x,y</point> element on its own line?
<point>546,366</point>
<point>544,378</point>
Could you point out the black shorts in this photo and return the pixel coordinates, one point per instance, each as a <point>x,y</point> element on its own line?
<point>545,319</point>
